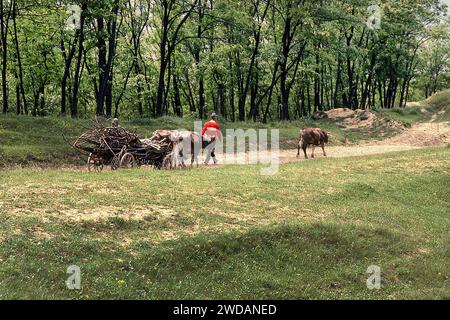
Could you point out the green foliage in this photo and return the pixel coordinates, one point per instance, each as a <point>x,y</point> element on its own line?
<point>231,53</point>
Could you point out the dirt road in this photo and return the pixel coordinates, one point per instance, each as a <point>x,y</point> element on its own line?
<point>434,133</point>
<point>422,135</point>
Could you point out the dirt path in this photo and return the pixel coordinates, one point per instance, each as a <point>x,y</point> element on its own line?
<point>427,134</point>
<point>422,135</point>
<point>287,156</point>
<point>290,155</point>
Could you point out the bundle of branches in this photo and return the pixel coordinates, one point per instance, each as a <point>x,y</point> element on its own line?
<point>155,151</point>
<point>107,142</point>
<point>163,141</point>
<point>110,144</point>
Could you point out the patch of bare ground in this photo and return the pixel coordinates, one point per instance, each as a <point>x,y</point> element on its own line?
<point>95,214</point>
<point>290,155</point>
<point>360,119</point>
<point>38,234</point>
<point>428,134</point>
<point>340,113</point>
<point>352,119</point>
<point>414,104</point>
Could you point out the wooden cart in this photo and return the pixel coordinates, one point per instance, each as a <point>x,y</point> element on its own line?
<point>119,148</point>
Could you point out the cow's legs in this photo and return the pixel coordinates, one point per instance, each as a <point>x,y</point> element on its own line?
<point>196,147</point>
<point>312,153</point>
<point>194,158</point>
<point>323,149</point>
<point>181,159</point>
<point>304,146</point>
<point>298,149</point>
<point>173,158</point>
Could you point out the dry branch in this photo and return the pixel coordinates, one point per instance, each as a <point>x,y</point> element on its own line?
<point>110,144</point>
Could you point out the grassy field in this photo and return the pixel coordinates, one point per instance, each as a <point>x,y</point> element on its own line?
<point>309,232</point>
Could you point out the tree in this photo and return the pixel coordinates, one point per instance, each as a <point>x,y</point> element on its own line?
<point>173,16</point>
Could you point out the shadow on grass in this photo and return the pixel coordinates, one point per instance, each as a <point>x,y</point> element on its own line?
<point>274,262</point>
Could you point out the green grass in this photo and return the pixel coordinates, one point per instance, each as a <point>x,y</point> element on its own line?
<point>407,116</point>
<point>308,232</point>
<point>441,101</point>
<point>438,105</point>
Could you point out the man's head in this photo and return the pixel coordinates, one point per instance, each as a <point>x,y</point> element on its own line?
<point>214,116</point>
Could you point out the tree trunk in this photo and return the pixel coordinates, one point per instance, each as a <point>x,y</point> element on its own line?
<point>178,109</point>
<point>4,22</point>
<point>338,84</point>
<point>317,85</point>
<point>76,85</point>
<point>163,63</point>
<point>250,73</point>
<point>286,43</point>
<point>232,106</point>
<point>19,60</point>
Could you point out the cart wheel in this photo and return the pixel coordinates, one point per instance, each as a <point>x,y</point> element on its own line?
<point>94,164</point>
<point>127,161</point>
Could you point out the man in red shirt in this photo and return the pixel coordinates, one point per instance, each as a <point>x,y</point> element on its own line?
<point>210,134</point>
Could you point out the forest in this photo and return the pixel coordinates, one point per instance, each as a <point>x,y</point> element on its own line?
<point>248,60</point>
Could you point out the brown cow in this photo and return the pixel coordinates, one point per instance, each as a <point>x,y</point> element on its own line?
<point>314,137</point>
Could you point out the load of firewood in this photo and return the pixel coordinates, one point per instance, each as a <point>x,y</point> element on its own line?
<point>107,141</point>
<point>116,145</point>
